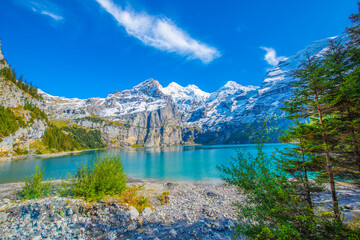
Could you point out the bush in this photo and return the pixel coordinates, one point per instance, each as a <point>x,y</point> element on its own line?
<point>272,208</point>
<point>35,187</point>
<point>105,177</point>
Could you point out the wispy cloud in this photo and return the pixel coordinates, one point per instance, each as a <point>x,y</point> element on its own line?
<point>52,15</point>
<point>159,32</point>
<point>270,56</point>
<point>43,7</point>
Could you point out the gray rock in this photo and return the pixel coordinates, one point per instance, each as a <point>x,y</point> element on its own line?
<point>133,213</point>
<point>26,217</point>
<point>3,217</point>
<point>348,206</point>
<point>146,212</point>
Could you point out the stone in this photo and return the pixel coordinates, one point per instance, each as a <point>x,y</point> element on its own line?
<point>348,206</point>
<point>146,212</point>
<point>26,217</point>
<point>3,217</point>
<point>133,213</point>
<point>69,212</point>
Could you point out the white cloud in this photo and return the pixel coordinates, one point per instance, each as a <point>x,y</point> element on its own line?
<point>43,7</point>
<point>52,15</point>
<point>270,56</point>
<point>160,33</point>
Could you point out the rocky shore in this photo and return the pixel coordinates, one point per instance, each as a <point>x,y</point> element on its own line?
<point>193,211</point>
<point>45,155</point>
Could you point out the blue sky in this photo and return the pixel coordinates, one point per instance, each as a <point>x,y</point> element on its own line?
<point>90,48</point>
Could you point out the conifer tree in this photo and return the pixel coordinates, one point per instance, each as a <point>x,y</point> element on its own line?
<point>296,160</point>
<point>307,101</point>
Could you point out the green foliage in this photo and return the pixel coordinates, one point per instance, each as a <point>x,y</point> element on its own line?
<point>275,125</point>
<point>8,122</point>
<point>90,139</point>
<point>164,198</point>
<point>105,177</point>
<point>8,74</point>
<point>70,138</point>
<point>36,113</point>
<point>54,138</point>
<point>94,119</point>
<point>132,197</point>
<point>35,187</point>
<point>272,208</point>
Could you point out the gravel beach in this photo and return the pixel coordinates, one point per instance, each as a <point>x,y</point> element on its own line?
<point>194,211</point>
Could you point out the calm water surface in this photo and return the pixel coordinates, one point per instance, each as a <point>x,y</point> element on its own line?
<point>193,163</point>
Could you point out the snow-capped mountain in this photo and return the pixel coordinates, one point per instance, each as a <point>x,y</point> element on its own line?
<point>186,99</point>
<point>151,115</point>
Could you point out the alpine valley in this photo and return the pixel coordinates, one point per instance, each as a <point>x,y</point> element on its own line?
<point>152,115</point>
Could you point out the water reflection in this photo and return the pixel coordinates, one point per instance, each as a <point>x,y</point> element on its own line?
<point>165,163</point>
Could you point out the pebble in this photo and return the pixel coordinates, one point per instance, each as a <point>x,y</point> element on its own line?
<point>194,211</point>
<point>133,213</point>
<point>3,217</point>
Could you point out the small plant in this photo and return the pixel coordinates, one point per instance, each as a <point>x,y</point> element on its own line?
<point>105,177</point>
<point>35,187</point>
<point>164,198</point>
<point>131,197</point>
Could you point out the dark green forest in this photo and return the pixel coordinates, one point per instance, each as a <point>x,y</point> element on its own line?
<point>71,138</point>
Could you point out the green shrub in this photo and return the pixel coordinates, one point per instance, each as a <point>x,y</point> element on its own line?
<point>273,208</point>
<point>35,187</point>
<point>105,177</point>
<point>8,122</point>
<point>164,198</point>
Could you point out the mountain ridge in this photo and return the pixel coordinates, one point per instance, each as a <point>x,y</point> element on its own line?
<point>152,115</point>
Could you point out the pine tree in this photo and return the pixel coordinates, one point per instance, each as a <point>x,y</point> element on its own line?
<point>296,160</point>
<point>343,72</point>
<point>308,101</point>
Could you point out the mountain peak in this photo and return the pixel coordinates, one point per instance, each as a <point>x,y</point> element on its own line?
<point>235,85</point>
<point>149,82</point>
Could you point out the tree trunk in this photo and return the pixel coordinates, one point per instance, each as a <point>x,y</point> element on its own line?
<point>329,165</point>
<point>306,182</point>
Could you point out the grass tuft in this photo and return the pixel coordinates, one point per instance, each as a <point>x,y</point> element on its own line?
<point>35,187</point>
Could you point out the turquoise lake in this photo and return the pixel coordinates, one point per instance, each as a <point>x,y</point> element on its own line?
<point>186,163</point>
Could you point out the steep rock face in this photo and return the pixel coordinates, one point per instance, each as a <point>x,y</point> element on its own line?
<point>142,116</point>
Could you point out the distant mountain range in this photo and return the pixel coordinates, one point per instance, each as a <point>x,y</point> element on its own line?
<point>152,115</point>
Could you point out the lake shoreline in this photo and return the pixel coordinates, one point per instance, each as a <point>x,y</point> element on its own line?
<point>192,162</point>
<point>59,154</point>
<point>45,155</point>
